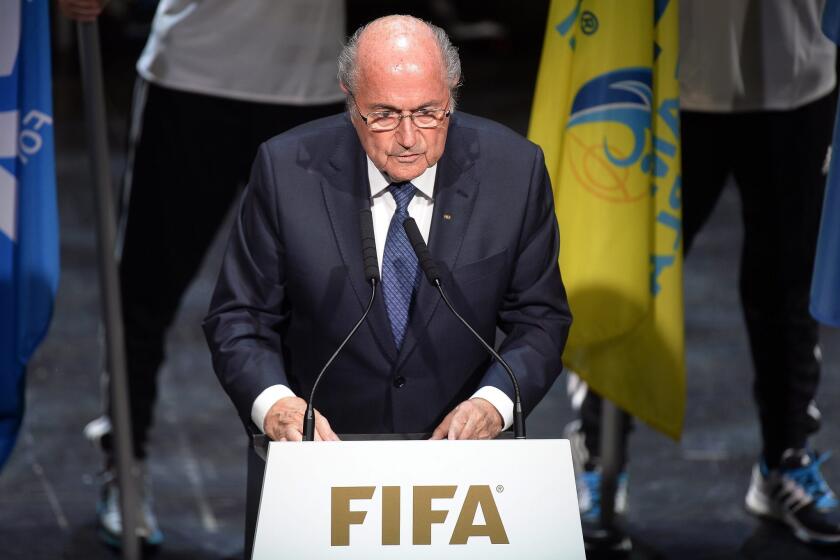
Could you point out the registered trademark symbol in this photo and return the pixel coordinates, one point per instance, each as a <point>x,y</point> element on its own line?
<point>588,23</point>
<point>500,489</point>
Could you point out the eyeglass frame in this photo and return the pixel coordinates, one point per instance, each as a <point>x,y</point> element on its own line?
<point>400,116</point>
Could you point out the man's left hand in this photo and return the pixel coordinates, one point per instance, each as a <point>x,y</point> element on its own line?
<point>472,419</point>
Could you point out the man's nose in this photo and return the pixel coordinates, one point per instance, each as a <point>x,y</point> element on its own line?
<point>406,132</point>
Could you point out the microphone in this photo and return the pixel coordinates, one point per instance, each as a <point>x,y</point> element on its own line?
<point>371,264</point>
<point>369,246</point>
<point>430,269</point>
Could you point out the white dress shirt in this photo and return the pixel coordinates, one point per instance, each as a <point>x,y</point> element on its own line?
<point>382,208</point>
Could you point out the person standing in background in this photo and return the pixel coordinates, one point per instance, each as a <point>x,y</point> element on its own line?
<point>215,80</point>
<point>756,96</point>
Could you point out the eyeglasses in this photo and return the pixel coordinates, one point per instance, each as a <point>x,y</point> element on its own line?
<point>383,121</point>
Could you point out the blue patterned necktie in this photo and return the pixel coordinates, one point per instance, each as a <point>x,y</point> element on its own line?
<point>399,264</point>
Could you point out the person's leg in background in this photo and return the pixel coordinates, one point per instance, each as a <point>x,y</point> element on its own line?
<point>782,184</point>
<point>192,154</point>
<point>584,435</point>
<point>708,154</point>
<point>183,179</point>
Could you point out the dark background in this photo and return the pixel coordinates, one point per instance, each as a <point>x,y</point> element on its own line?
<point>686,498</point>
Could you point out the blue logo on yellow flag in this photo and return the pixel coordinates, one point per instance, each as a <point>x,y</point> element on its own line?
<point>619,102</point>
<point>623,97</point>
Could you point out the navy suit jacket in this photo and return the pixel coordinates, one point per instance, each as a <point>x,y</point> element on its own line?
<point>292,282</point>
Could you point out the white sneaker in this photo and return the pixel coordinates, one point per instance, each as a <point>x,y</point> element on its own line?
<point>110,516</point>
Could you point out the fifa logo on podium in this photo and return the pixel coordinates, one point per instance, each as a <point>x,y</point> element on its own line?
<point>477,496</point>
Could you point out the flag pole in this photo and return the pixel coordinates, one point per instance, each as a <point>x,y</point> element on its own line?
<point>94,99</point>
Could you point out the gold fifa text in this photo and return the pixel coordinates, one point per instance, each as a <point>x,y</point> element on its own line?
<point>342,516</point>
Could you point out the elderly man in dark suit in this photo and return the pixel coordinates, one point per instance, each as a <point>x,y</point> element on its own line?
<point>292,283</point>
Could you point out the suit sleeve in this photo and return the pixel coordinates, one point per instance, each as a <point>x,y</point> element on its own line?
<point>249,308</point>
<point>534,314</point>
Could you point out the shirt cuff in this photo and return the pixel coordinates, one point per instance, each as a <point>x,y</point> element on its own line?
<point>265,401</point>
<point>498,399</point>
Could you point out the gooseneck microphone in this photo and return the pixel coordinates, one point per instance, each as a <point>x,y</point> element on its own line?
<point>427,264</point>
<point>371,264</point>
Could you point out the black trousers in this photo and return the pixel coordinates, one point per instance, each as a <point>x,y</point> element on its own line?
<point>776,158</point>
<point>186,166</point>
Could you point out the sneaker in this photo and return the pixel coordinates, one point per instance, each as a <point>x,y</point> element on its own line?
<point>589,495</point>
<point>796,494</point>
<point>588,476</point>
<point>110,516</point>
<point>588,479</point>
<point>108,509</point>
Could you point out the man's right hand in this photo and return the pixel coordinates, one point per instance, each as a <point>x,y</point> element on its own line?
<point>284,422</point>
<point>81,10</point>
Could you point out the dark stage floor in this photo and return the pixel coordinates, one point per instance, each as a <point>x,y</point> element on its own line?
<point>685,498</point>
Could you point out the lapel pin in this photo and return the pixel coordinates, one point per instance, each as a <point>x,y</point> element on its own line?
<point>447,216</point>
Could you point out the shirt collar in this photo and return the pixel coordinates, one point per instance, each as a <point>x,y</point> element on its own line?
<point>379,182</point>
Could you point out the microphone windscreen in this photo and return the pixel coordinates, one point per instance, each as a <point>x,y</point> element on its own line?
<point>427,264</point>
<point>369,258</point>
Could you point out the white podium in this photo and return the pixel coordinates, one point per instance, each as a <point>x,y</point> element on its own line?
<point>497,499</point>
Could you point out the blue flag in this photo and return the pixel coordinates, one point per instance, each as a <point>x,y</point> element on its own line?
<point>28,214</point>
<point>825,287</point>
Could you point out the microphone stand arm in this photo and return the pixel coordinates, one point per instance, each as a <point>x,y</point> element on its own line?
<point>309,415</point>
<point>518,417</point>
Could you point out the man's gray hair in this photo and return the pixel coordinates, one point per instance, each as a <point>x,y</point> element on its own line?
<point>348,72</point>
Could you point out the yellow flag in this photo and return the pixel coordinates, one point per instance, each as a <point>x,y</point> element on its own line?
<point>606,113</point>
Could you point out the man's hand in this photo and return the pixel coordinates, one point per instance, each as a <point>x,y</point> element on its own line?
<point>81,10</point>
<point>284,422</point>
<point>472,419</point>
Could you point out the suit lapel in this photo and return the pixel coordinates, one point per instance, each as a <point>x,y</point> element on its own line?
<point>346,192</point>
<point>456,188</point>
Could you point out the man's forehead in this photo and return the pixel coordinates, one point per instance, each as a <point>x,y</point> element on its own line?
<point>402,91</point>
<point>411,65</point>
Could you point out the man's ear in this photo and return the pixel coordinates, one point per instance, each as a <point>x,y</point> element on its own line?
<point>344,88</point>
